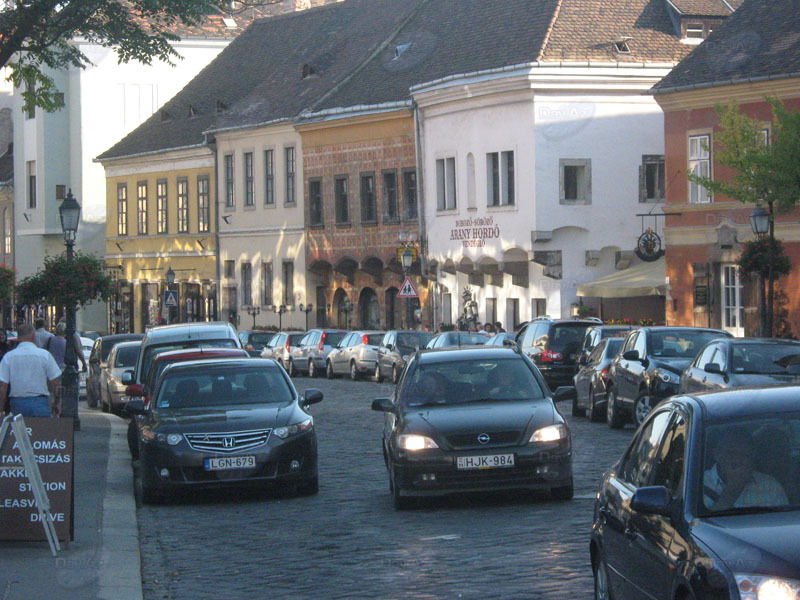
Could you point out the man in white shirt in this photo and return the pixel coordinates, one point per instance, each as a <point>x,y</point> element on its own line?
<point>28,375</point>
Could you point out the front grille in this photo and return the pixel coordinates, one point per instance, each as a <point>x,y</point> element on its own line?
<point>229,442</point>
<point>463,441</point>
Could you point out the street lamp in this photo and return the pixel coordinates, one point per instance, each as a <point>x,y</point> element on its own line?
<point>346,307</point>
<point>279,310</point>
<point>406,260</point>
<point>306,309</point>
<point>762,224</point>
<point>253,310</point>
<point>70,213</point>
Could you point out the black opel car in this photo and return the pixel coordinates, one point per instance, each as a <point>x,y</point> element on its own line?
<point>705,502</point>
<point>474,419</point>
<point>226,421</point>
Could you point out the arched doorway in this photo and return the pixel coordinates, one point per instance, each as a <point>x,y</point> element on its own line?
<point>393,309</point>
<point>369,309</point>
<point>341,309</point>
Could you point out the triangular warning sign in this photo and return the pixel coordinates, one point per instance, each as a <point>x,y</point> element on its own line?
<point>407,290</point>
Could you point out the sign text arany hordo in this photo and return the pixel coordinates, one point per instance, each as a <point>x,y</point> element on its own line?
<point>474,232</point>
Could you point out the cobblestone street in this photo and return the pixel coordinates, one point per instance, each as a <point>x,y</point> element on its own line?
<point>349,542</point>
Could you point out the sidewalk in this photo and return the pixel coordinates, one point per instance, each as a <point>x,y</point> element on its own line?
<point>103,561</point>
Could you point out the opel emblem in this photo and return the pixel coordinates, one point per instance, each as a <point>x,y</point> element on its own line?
<point>228,442</point>
<point>484,438</point>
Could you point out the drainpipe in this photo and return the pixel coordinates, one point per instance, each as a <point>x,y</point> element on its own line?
<point>418,128</point>
<point>213,145</point>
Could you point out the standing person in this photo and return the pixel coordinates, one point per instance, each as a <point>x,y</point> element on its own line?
<point>42,335</point>
<point>28,375</point>
<point>76,340</point>
<point>4,347</point>
<point>498,327</point>
<point>57,345</point>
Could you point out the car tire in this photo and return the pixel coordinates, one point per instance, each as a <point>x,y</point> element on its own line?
<point>563,493</point>
<point>577,411</point>
<point>291,370</point>
<point>602,590</point>
<point>378,377</point>
<point>91,400</point>
<point>308,488</point>
<point>312,369</point>
<point>105,406</point>
<point>613,417</point>
<point>400,502</point>
<point>329,371</point>
<point>395,374</point>
<point>642,407</point>
<point>353,371</point>
<point>595,416</point>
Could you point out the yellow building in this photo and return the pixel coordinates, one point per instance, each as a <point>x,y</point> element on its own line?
<point>161,217</point>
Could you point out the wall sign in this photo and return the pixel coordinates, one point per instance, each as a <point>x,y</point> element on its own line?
<point>474,232</point>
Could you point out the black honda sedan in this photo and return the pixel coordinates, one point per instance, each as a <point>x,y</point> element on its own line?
<point>705,503</point>
<point>225,421</point>
<point>474,419</point>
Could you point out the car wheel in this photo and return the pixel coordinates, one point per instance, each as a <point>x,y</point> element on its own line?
<point>353,371</point>
<point>563,493</point>
<point>312,369</point>
<point>105,406</point>
<point>577,411</point>
<point>395,374</point>
<point>400,502</point>
<point>613,416</point>
<point>291,370</point>
<point>594,411</point>
<point>644,404</point>
<point>378,377</point>
<point>308,488</point>
<point>133,440</point>
<point>601,588</point>
<point>329,371</point>
<point>91,399</point>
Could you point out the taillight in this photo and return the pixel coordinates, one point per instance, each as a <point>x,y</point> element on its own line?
<point>322,341</point>
<point>365,340</point>
<point>604,373</point>
<point>288,346</point>
<point>550,356</point>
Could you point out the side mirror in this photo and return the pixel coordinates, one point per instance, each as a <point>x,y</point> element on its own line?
<point>653,500</point>
<point>127,377</point>
<point>631,355</point>
<point>135,390</point>
<point>311,396</point>
<point>713,368</point>
<point>383,405</point>
<point>135,406</point>
<point>565,392</point>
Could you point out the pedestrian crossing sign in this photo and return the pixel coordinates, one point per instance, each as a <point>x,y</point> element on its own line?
<point>407,290</point>
<point>170,298</point>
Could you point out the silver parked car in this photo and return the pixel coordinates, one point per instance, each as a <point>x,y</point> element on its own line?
<point>280,347</point>
<point>310,354</point>
<point>112,391</point>
<point>355,354</point>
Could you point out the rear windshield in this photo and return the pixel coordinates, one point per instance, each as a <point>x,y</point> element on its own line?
<point>567,338</point>
<point>612,332</point>
<point>769,359</point>
<point>223,386</point>
<point>151,351</point>
<point>332,339</point>
<point>294,338</point>
<point>126,357</point>
<point>679,344</point>
<point>106,346</point>
<point>375,339</point>
<point>259,340</point>
<point>613,345</point>
<point>412,340</point>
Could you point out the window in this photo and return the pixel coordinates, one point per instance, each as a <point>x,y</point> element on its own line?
<point>652,187</point>
<point>668,468</point>
<point>538,307</point>
<point>247,284</point>
<point>141,205</point>
<point>229,193</point>
<point>500,178</point>
<point>575,181</point>
<point>732,308</point>
<point>446,184</point>
<point>266,284</point>
<point>290,172</point>
<point>699,164</point>
<point>288,283</point>
<point>369,212</point>
<point>636,466</point>
<point>249,190</point>
<point>410,194</point>
<point>491,310</point>
<point>31,168</point>
<point>122,209</point>
<point>694,30</point>
<point>315,202</point>
<point>447,308</point>
<point>269,177</point>
<point>230,266</point>
<point>203,204</point>
<point>390,195</point>
<point>162,208</point>
<point>340,192</point>
<point>183,205</point>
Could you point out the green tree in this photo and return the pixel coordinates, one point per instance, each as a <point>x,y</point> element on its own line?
<point>38,34</point>
<point>66,283</point>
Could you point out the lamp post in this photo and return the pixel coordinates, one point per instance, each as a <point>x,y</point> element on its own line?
<point>253,310</point>
<point>346,307</point>
<point>169,276</point>
<point>762,224</point>
<point>406,259</point>
<point>70,213</point>
<point>279,310</point>
<point>306,309</point>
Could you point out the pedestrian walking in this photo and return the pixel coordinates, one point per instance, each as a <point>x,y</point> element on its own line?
<point>76,343</point>
<point>5,348</point>
<point>57,345</point>
<point>28,375</point>
<point>42,335</point>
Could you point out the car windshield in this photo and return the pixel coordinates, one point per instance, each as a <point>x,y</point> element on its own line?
<point>737,478</point>
<point>259,340</point>
<point>679,344</point>
<point>412,340</point>
<point>771,359</point>
<point>126,356</point>
<point>460,381</point>
<point>217,386</point>
<point>567,338</point>
<point>151,351</point>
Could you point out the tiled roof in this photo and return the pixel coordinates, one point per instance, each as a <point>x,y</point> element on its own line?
<point>259,76</point>
<point>705,8</point>
<point>761,40</point>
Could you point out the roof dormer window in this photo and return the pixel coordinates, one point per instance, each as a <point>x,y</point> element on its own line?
<point>694,30</point>
<point>192,112</point>
<point>229,22</point>
<point>400,49</point>
<point>221,107</point>
<point>308,71</point>
<point>621,45</point>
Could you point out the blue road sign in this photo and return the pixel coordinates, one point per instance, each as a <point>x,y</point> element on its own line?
<point>170,297</point>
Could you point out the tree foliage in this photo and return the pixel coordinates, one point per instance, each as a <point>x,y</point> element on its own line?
<point>38,34</point>
<point>7,277</point>
<point>65,282</point>
<point>754,258</point>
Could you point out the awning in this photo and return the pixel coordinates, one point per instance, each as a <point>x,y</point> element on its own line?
<point>645,279</point>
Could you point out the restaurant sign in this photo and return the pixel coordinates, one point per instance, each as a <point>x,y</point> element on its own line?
<point>474,232</point>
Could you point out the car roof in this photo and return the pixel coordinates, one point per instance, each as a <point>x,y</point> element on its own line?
<point>771,341</point>
<point>128,344</point>
<point>682,328</point>
<point>188,331</point>
<point>466,353</point>
<point>171,354</point>
<point>746,401</point>
<point>120,337</point>
<point>228,362</point>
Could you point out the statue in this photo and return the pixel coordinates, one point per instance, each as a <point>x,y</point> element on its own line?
<point>469,317</point>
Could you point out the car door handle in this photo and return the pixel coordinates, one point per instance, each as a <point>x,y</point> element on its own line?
<point>630,533</point>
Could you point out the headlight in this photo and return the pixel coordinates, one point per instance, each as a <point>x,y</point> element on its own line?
<point>284,432</point>
<point>415,442</point>
<point>762,587</point>
<point>668,377</point>
<point>173,439</point>
<point>552,433</point>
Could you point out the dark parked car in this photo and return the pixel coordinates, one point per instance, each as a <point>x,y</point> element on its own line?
<point>394,351</point>
<point>648,369</point>
<point>255,341</point>
<point>730,363</point>
<point>555,346</point>
<point>594,335</point>
<point>591,381</point>
<point>474,419</point>
<point>693,511</point>
<point>97,362</point>
<point>226,421</point>
<point>451,339</point>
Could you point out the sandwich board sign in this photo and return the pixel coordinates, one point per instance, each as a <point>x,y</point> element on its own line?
<point>170,298</point>
<point>407,290</point>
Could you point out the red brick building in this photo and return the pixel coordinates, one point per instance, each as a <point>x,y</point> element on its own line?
<point>755,54</point>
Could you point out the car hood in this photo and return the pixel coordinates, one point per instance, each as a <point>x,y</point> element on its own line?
<point>767,544</point>
<point>477,417</point>
<point>676,365</point>
<point>232,418</point>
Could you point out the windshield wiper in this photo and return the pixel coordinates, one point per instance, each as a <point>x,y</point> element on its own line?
<point>749,510</point>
